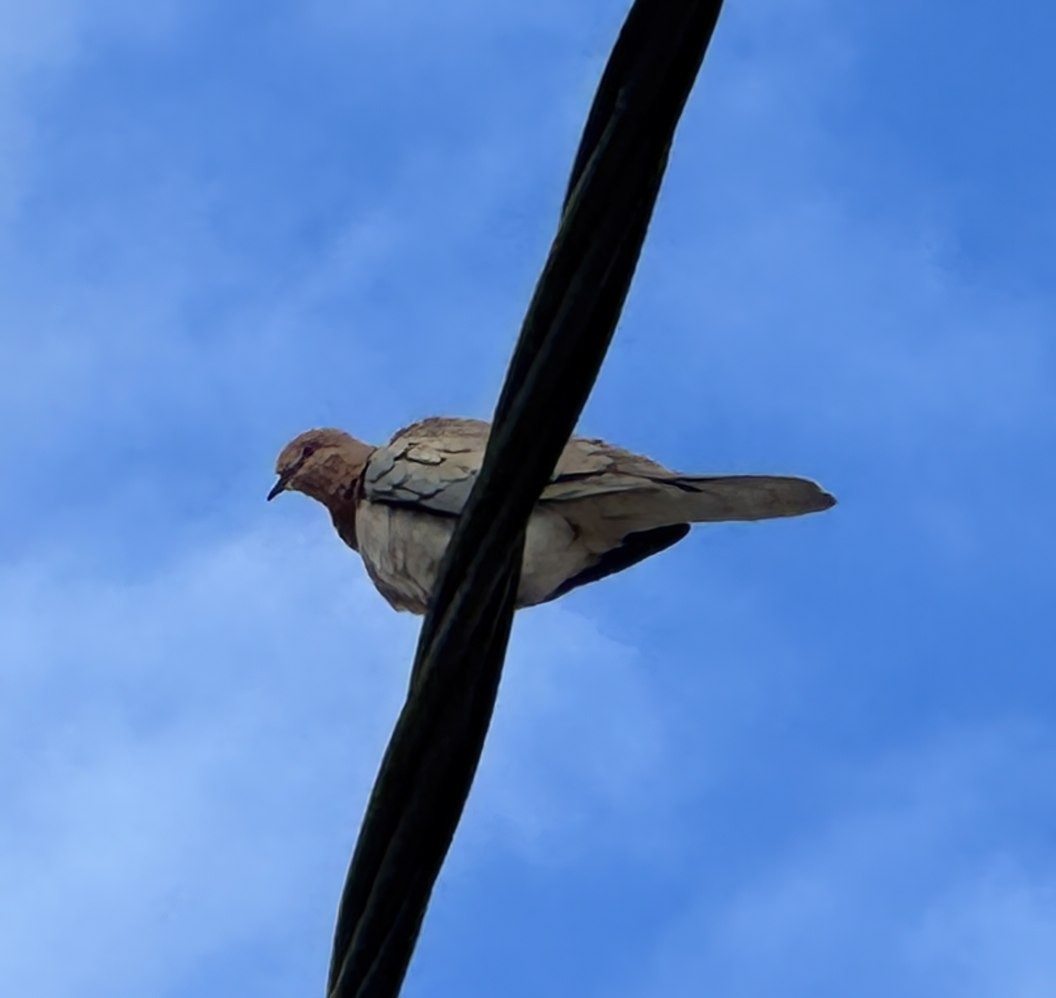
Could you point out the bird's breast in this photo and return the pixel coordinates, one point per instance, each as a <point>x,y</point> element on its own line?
<point>402,548</point>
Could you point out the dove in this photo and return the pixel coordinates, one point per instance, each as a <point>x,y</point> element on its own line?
<point>603,510</point>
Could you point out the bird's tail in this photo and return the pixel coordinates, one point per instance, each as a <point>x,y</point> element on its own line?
<point>709,498</point>
<point>646,503</point>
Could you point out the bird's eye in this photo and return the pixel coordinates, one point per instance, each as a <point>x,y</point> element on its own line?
<point>307,451</point>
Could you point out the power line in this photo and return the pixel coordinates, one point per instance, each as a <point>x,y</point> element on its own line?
<point>431,759</point>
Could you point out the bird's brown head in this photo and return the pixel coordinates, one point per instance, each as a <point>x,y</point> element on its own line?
<point>324,464</point>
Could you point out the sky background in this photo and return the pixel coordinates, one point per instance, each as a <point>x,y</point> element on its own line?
<point>807,758</point>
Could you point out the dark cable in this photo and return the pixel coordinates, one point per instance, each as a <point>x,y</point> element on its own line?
<point>431,759</point>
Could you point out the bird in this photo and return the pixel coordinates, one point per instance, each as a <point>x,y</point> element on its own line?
<point>603,510</point>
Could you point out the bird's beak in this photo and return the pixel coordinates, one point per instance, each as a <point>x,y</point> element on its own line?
<point>279,487</point>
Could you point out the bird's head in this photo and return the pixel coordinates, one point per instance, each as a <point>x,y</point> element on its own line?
<point>323,464</point>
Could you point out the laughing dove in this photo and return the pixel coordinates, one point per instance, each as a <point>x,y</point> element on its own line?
<point>603,510</point>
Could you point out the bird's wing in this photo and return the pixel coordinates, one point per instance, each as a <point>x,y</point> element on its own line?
<point>620,485</point>
<point>431,464</point>
<point>434,463</point>
<point>590,467</point>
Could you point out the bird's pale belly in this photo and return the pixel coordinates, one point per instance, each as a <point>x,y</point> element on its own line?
<point>402,549</point>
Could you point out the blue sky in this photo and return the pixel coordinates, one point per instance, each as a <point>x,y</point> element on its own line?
<point>807,758</point>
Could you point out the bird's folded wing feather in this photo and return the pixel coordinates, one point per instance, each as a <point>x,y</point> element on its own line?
<point>434,463</point>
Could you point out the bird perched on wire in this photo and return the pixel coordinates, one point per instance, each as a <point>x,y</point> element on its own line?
<point>603,510</point>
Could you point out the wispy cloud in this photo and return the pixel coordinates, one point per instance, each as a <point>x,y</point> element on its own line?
<point>921,883</point>
<point>195,744</point>
<point>193,748</point>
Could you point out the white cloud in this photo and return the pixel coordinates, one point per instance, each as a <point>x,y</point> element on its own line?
<point>813,285</point>
<point>921,883</point>
<point>196,740</point>
<point>992,937</point>
<point>194,749</point>
<point>579,755</point>
<point>39,44</point>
